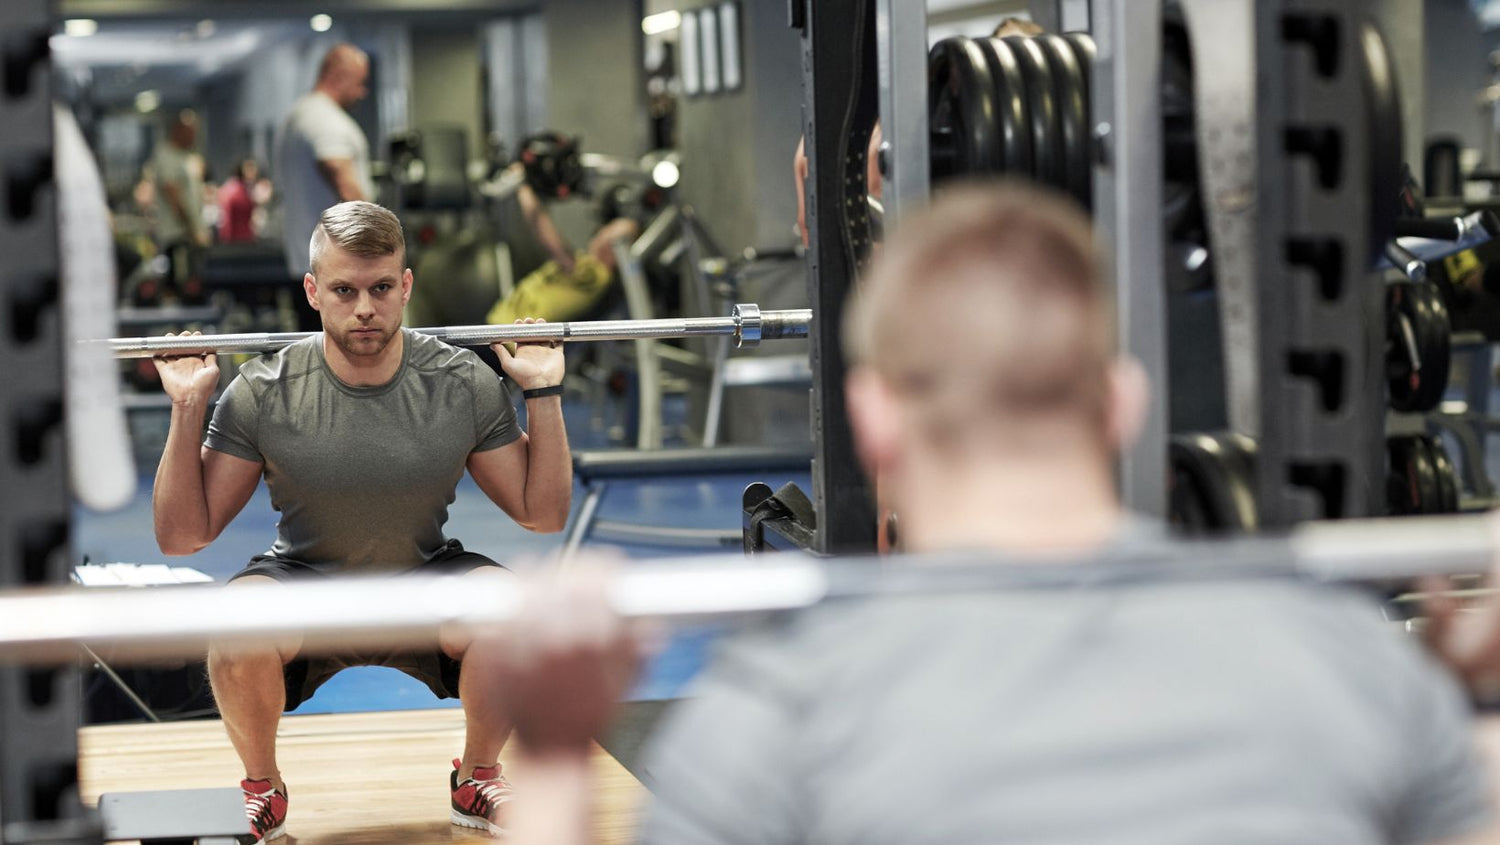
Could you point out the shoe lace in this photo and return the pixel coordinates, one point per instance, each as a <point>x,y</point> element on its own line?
<point>258,806</point>
<point>491,793</point>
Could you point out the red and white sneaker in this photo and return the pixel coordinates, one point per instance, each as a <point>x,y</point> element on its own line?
<point>479,800</point>
<point>266,808</point>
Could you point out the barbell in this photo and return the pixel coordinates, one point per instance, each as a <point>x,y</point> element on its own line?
<point>747,324</point>
<point>51,625</point>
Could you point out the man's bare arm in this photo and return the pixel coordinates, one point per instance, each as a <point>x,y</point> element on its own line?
<point>339,172</point>
<point>197,490</point>
<point>544,228</point>
<point>530,479</point>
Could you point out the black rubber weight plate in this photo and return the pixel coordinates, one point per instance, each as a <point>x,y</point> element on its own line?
<point>1447,476</point>
<point>1083,50</point>
<point>1403,494</point>
<point>1413,389</point>
<point>1214,492</point>
<point>961,98</point>
<point>1434,342</point>
<point>1046,129</point>
<point>1427,477</point>
<point>1068,93</point>
<point>1010,97</point>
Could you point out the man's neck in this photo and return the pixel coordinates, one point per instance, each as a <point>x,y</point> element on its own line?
<point>327,92</point>
<point>1036,503</point>
<point>364,370</point>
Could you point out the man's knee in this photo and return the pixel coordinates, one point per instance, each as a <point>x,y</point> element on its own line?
<point>244,666</point>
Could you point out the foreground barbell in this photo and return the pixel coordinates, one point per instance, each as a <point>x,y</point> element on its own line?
<point>747,324</point>
<point>52,625</point>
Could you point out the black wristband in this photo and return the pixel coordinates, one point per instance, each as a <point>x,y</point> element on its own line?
<point>539,392</point>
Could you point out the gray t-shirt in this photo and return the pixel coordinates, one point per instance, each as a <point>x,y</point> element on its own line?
<point>1251,711</point>
<point>317,129</point>
<point>362,476</point>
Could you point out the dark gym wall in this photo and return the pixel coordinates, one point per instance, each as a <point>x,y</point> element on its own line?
<point>595,86</point>
<point>737,147</point>
<point>445,73</point>
<point>1457,68</point>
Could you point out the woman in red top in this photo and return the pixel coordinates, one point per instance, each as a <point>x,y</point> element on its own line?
<point>236,206</point>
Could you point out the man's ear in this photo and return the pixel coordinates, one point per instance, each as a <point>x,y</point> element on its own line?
<point>406,280</point>
<point>874,419</point>
<point>1129,393</point>
<point>310,287</point>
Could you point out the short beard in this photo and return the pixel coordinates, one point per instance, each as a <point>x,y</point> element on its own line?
<point>345,341</point>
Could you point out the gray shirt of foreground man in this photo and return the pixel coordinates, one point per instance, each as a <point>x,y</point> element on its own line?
<point>317,129</point>
<point>330,458</point>
<point>1222,712</point>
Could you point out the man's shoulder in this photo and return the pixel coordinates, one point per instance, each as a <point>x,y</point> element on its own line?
<point>428,354</point>
<point>312,101</point>
<point>274,368</point>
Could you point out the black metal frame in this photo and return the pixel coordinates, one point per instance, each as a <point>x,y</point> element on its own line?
<point>839,81</point>
<point>1321,444</point>
<point>39,707</point>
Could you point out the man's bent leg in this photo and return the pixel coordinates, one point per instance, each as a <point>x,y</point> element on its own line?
<point>487,727</point>
<point>250,690</point>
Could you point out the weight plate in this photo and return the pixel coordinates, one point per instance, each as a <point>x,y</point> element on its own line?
<point>1417,389</point>
<point>1070,95</point>
<point>1447,476</point>
<point>1412,482</point>
<point>1083,50</point>
<point>1015,112</point>
<point>1213,489</point>
<point>961,106</point>
<point>1046,129</point>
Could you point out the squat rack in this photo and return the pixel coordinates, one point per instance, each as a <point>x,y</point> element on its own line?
<point>1302,331</point>
<point>39,707</point>
<point>1127,190</point>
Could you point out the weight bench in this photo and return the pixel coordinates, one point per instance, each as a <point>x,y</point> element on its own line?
<point>595,469</point>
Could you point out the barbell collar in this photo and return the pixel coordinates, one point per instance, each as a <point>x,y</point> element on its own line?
<point>783,324</point>
<point>747,322</point>
<point>52,625</point>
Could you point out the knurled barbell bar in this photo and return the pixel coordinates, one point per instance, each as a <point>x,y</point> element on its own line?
<point>747,324</point>
<point>49,625</point>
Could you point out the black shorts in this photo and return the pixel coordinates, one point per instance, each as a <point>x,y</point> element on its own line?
<point>303,675</point>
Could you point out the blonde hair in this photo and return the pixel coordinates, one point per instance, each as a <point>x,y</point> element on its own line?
<point>360,228</point>
<point>986,310</point>
<point>1017,26</point>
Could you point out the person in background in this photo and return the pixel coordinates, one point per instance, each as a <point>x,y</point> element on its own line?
<point>237,205</point>
<point>323,157</point>
<point>178,171</point>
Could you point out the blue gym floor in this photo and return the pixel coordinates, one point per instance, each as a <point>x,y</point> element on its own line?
<point>126,536</point>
